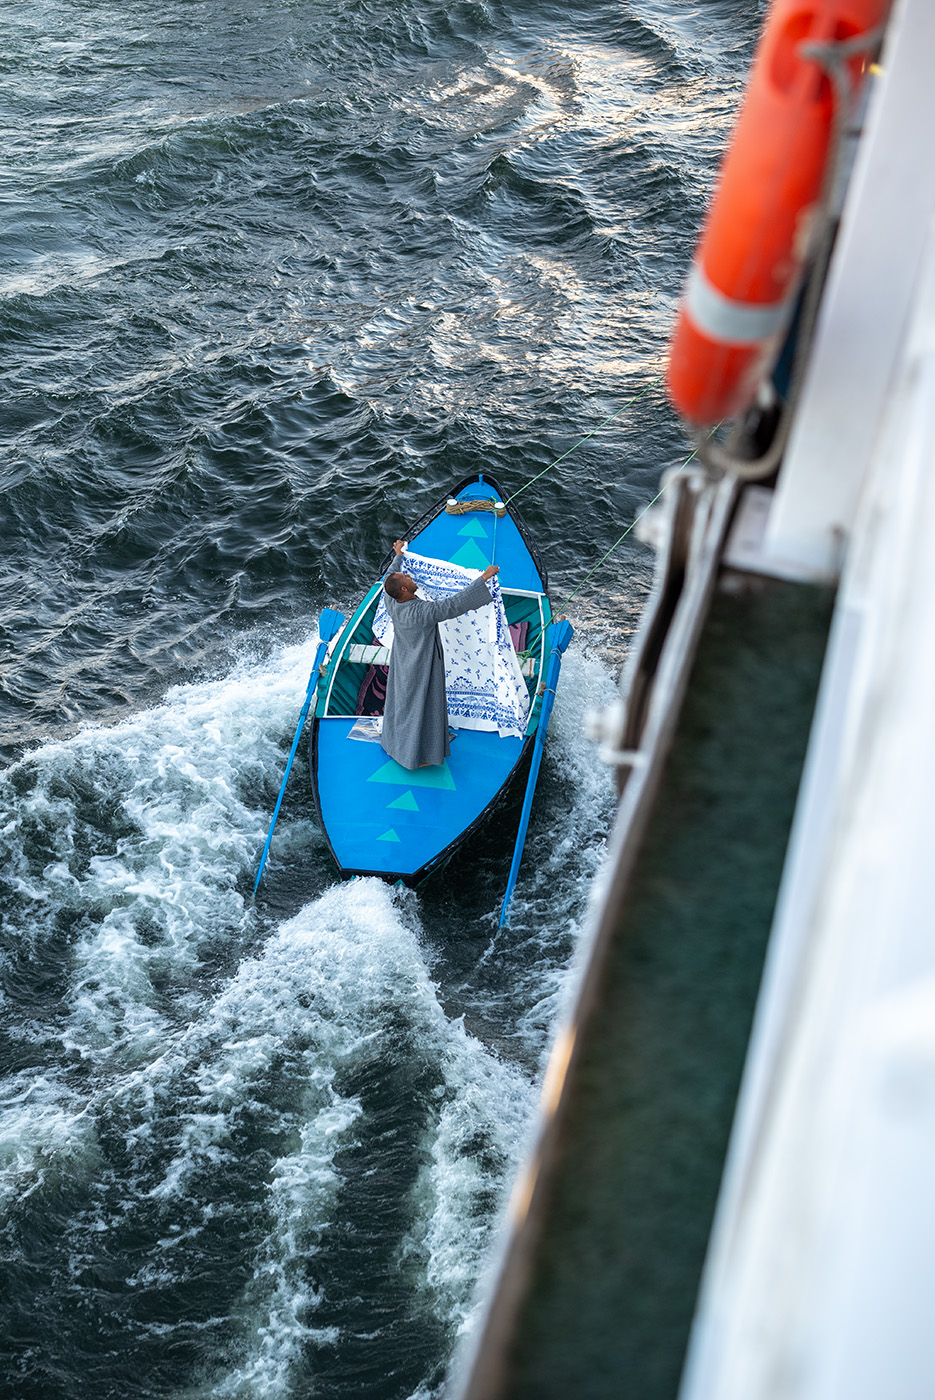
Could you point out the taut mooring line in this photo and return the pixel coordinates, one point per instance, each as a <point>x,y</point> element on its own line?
<point>576,445</point>
<point>635,521</point>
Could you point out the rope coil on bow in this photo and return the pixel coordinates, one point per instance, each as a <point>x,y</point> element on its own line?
<point>453,507</point>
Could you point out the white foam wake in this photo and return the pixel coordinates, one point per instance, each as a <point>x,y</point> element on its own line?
<point>222,1055</point>
<point>353,961</point>
<point>122,848</point>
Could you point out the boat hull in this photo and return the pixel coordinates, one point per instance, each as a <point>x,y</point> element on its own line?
<point>382,819</point>
<point>402,824</point>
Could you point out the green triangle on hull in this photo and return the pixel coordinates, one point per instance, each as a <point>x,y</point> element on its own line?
<point>473,530</point>
<point>438,775</point>
<point>470,557</point>
<point>389,835</point>
<point>406,803</point>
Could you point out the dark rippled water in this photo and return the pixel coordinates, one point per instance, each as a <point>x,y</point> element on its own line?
<point>272,276</point>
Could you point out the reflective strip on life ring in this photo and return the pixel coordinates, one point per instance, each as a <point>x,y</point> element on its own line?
<point>748,264</point>
<point>736,322</point>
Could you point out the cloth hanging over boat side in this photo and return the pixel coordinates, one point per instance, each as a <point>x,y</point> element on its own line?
<point>483,680</point>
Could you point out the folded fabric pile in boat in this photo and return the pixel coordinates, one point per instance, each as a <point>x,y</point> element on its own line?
<point>484,684</point>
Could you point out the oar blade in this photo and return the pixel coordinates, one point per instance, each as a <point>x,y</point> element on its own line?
<point>330,623</point>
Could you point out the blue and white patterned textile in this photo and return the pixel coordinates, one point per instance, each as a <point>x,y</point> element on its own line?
<point>483,681</point>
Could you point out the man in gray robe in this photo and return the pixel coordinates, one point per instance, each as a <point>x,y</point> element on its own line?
<point>415,720</point>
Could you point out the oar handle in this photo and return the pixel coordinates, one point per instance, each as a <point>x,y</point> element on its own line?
<point>562,633</point>
<point>329,625</point>
<point>312,682</point>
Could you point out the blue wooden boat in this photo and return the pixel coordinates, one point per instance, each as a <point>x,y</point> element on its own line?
<point>401,824</point>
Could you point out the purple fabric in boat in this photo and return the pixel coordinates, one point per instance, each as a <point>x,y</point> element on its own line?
<point>371,697</point>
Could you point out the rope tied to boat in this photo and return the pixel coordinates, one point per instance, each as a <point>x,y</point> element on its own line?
<point>651,385</point>
<point>454,507</point>
<point>634,522</point>
<point>499,508</point>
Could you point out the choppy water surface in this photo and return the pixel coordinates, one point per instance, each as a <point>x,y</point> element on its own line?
<point>273,275</point>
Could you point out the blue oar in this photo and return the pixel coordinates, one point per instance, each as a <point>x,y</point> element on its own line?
<point>329,625</point>
<point>560,634</point>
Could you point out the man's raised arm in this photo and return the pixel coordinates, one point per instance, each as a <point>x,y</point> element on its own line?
<point>476,595</point>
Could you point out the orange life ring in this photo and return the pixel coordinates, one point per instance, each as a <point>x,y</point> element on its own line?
<point>743,280</point>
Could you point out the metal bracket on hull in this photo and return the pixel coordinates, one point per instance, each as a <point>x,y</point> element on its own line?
<point>680,529</point>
